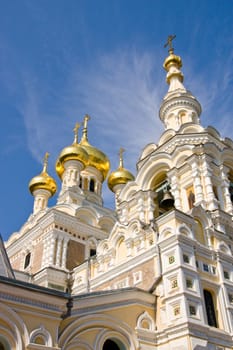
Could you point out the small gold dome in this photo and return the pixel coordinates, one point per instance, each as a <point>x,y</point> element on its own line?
<point>120,176</point>
<point>172,60</point>
<point>96,158</point>
<point>43,181</point>
<point>72,152</point>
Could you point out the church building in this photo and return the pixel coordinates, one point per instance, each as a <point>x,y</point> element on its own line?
<point>156,273</point>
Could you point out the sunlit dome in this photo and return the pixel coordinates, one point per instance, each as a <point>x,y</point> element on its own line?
<point>43,181</point>
<point>96,158</point>
<point>120,176</point>
<point>72,152</point>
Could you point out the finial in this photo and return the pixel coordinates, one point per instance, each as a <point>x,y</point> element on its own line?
<point>121,151</point>
<point>169,43</point>
<point>45,162</point>
<point>85,120</point>
<point>76,128</point>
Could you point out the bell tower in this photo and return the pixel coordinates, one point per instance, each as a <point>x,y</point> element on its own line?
<point>179,106</point>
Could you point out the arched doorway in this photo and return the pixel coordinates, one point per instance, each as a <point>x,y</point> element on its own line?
<point>4,345</point>
<point>113,344</point>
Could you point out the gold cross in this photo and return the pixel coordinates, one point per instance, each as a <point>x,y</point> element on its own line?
<point>121,151</point>
<point>45,162</point>
<point>86,118</point>
<point>169,41</point>
<point>76,128</point>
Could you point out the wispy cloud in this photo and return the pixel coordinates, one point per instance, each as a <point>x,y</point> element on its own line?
<point>117,90</point>
<point>213,87</point>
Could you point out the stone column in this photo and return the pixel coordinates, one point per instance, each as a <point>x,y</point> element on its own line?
<point>51,252</point>
<point>197,183</point>
<point>225,190</point>
<point>151,206</point>
<point>210,197</point>
<point>45,259</point>
<point>64,253</point>
<point>175,190</point>
<point>141,210</point>
<point>58,253</point>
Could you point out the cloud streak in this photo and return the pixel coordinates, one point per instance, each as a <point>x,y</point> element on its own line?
<point>117,90</point>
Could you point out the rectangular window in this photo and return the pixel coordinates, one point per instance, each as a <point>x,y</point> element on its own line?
<point>230,297</point>
<point>137,277</point>
<point>226,275</point>
<point>192,310</point>
<point>205,267</point>
<point>186,258</point>
<point>189,283</point>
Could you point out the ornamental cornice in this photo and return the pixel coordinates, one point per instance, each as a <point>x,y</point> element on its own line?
<point>22,300</point>
<point>47,224</point>
<point>64,220</point>
<point>179,102</point>
<point>224,217</point>
<point>189,139</point>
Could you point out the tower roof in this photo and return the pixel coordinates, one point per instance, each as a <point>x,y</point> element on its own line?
<point>179,106</point>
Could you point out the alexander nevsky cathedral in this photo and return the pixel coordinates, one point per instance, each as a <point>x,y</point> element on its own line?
<point>156,272</point>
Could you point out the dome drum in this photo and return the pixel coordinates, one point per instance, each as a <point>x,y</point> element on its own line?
<point>187,102</point>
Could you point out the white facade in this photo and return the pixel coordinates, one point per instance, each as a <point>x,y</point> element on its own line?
<point>179,252</point>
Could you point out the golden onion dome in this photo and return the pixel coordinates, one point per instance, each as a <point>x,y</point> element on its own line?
<point>43,181</point>
<point>172,60</point>
<point>72,152</point>
<point>96,158</point>
<point>120,176</point>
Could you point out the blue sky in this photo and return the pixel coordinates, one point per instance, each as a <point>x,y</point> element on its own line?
<point>61,59</point>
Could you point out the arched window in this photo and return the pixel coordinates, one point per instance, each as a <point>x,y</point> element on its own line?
<point>231,191</point>
<point>80,182</point>
<point>210,309</point>
<point>27,260</point>
<point>92,252</point>
<point>199,232</point>
<point>40,340</point>
<point>110,345</point>
<point>92,185</point>
<point>191,199</point>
